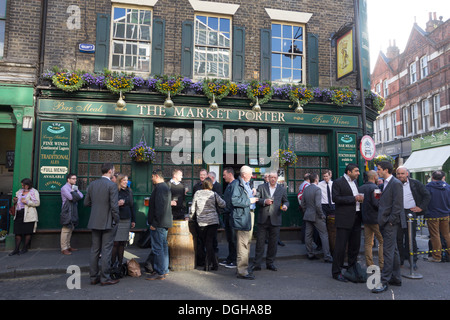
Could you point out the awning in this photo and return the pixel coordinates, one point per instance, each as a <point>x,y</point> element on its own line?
<point>428,159</point>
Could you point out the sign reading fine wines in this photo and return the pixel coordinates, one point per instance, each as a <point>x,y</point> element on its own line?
<point>195,113</point>
<point>54,154</point>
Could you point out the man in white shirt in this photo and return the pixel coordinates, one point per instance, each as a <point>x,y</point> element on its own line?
<point>328,207</point>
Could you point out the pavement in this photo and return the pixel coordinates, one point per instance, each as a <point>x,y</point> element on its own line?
<point>51,261</point>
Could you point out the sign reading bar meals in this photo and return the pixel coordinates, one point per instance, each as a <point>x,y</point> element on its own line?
<point>195,113</point>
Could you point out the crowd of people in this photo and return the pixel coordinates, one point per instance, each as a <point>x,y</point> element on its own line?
<point>333,213</point>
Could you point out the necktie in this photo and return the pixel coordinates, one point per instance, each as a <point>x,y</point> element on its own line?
<point>329,193</point>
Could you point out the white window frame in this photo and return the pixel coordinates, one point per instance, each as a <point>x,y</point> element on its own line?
<point>405,114</point>
<point>387,126</point>
<point>412,73</point>
<point>437,110</point>
<point>385,88</point>
<point>197,47</point>
<point>426,115</point>
<point>423,67</point>
<point>3,30</point>
<point>127,6</point>
<point>393,124</point>
<point>378,88</point>
<point>414,118</point>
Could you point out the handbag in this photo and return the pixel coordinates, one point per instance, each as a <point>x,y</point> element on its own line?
<point>12,210</point>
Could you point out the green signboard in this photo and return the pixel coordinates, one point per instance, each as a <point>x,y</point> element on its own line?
<point>95,108</point>
<point>54,154</point>
<point>437,139</point>
<point>346,150</point>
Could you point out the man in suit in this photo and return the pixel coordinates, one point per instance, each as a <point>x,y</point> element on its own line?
<point>160,219</point>
<point>370,218</point>
<point>415,201</point>
<point>273,202</point>
<point>390,215</point>
<point>328,206</point>
<point>102,195</point>
<point>315,218</point>
<point>347,201</point>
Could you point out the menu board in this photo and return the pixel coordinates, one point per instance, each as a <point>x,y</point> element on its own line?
<point>54,155</point>
<point>346,151</point>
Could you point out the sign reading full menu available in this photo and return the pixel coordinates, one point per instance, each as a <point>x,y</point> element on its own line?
<point>54,155</point>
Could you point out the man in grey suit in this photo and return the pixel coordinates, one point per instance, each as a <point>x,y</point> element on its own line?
<point>272,201</point>
<point>102,196</point>
<point>390,215</point>
<point>314,218</point>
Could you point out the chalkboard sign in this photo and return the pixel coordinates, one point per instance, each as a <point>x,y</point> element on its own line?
<point>54,155</point>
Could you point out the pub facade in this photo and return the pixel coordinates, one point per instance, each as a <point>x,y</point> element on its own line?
<point>194,69</point>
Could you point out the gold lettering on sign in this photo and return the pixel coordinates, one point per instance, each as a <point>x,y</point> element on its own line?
<point>339,120</point>
<point>320,119</point>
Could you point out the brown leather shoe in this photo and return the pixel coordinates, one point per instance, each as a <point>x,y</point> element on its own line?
<point>66,252</point>
<point>109,282</point>
<point>95,281</point>
<point>72,249</point>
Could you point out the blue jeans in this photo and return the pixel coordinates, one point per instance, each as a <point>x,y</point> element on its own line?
<point>160,250</point>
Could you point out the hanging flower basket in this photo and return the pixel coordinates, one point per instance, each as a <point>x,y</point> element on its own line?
<point>169,85</point>
<point>286,157</point>
<point>260,92</point>
<point>383,157</point>
<point>142,153</point>
<point>377,101</point>
<point>341,96</point>
<point>217,87</point>
<point>117,83</point>
<point>301,95</point>
<point>68,81</point>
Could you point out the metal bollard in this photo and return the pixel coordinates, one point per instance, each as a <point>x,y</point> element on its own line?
<point>412,274</point>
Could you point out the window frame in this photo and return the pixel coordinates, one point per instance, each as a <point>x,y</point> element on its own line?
<point>426,117</point>
<point>303,55</point>
<point>412,73</point>
<point>230,48</point>
<point>414,118</point>
<point>437,110</point>
<point>424,67</point>
<point>385,88</point>
<point>125,40</point>
<point>3,18</point>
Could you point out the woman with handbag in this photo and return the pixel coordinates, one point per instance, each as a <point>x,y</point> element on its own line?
<point>26,217</point>
<point>205,205</point>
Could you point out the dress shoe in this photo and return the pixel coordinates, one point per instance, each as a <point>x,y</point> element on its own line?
<point>271,267</point>
<point>312,258</point>
<point>66,252</point>
<point>380,289</point>
<point>156,276</point>
<point>281,243</point>
<point>248,276</point>
<point>72,249</point>
<point>109,282</point>
<point>95,281</point>
<point>14,253</point>
<point>328,260</point>
<point>395,283</point>
<point>255,268</point>
<point>23,251</point>
<point>340,277</point>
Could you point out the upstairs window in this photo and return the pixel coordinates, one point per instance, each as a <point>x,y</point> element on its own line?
<point>423,67</point>
<point>131,39</point>
<point>415,118</point>
<point>212,52</point>
<point>385,89</point>
<point>288,63</point>
<point>426,115</point>
<point>2,26</point>
<point>437,110</point>
<point>412,73</point>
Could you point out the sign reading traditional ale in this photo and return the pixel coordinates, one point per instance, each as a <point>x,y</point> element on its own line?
<point>346,150</point>
<point>54,154</point>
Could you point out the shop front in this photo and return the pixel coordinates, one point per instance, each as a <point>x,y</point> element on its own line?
<point>78,132</point>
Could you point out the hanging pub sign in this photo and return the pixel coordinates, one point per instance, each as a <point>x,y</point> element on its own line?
<point>54,155</point>
<point>367,148</point>
<point>345,53</point>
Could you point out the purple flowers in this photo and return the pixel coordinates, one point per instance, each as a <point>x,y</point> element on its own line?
<point>138,81</point>
<point>142,153</point>
<point>89,78</point>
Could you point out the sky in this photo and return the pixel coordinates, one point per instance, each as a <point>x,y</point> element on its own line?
<point>394,19</point>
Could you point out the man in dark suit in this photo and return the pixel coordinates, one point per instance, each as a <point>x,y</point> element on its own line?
<point>160,219</point>
<point>273,202</point>
<point>415,201</point>
<point>390,215</point>
<point>102,195</point>
<point>314,218</point>
<point>348,220</point>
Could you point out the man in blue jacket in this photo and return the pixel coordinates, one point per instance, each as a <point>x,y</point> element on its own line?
<point>243,215</point>
<point>438,213</point>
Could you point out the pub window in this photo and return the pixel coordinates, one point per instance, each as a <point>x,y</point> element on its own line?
<point>131,39</point>
<point>288,53</point>
<point>2,26</point>
<point>437,110</point>
<point>100,143</point>
<point>212,49</point>
<point>412,73</point>
<point>165,140</point>
<point>312,150</point>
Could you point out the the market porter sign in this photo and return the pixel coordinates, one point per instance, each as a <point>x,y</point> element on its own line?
<point>195,113</point>
<point>54,154</point>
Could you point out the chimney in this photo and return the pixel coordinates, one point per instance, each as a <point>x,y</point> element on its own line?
<point>433,22</point>
<point>392,51</point>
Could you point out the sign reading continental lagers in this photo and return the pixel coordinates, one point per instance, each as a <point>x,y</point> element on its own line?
<point>54,154</point>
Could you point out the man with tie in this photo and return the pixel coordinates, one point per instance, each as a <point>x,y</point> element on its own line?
<point>328,206</point>
<point>390,216</point>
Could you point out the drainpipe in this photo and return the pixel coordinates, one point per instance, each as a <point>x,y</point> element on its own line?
<point>358,50</point>
<point>43,28</point>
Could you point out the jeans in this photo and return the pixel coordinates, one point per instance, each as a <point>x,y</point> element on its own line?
<point>160,250</point>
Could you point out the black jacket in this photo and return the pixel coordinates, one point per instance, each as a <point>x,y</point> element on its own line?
<point>369,207</point>
<point>345,203</point>
<point>159,209</point>
<point>420,194</point>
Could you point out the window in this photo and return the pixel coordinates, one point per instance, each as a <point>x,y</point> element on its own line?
<point>377,88</point>
<point>423,67</point>
<point>425,115</point>
<point>385,89</point>
<point>393,124</point>
<point>131,39</point>
<point>312,150</point>
<point>380,130</point>
<point>100,143</point>
<point>437,110</point>
<point>2,26</point>
<point>287,53</point>
<point>387,125</point>
<point>212,53</point>
<point>406,122</point>
<point>412,73</point>
<point>415,118</point>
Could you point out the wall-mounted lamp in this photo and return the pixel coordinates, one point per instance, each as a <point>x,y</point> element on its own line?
<point>27,123</point>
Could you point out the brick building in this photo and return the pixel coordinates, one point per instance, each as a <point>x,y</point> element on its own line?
<point>415,84</point>
<point>285,42</point>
